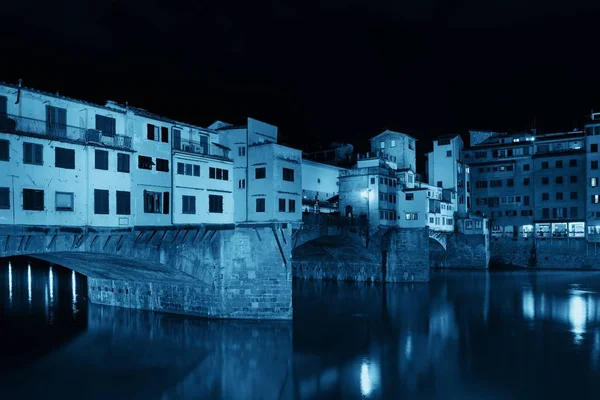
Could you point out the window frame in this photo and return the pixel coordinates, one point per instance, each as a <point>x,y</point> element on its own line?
<point>63,209</point>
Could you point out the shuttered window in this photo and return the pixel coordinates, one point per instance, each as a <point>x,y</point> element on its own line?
<point>215,204</point>
<point>33,200</point>
<point>107,125</point>
<point>4,198</point>
<point>260,205</point>
<point>33,153</point>
<point>100,201</point>
<point>166,202</point>
<point>123,162</point>
<point>56,121</point>
<point>4,146</point>
<point>123,203</point>
<point>102,159</point>
<point>64,158</point>
<point>188,205</point>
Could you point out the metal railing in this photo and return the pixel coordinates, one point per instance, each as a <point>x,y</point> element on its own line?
<point>15,124</point>
<point>203,148</point>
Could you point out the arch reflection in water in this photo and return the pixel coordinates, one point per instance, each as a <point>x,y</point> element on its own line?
<point>528,304</point>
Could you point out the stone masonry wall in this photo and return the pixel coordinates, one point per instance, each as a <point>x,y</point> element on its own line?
<point>407,255</point>
<point>337,270</point>
<point>548,253</point>
<point>462,251</point>
<point>242,273</point>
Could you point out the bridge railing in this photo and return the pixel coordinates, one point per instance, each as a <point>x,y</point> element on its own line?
<point>327,220</point>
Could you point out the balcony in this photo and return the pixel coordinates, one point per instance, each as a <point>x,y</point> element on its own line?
<point>36,127</point>
<point>202,148</point>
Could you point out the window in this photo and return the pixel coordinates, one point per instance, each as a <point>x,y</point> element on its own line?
<point>215,204</point>
<point>481,184</point>
<point>123,203</point>
<point>559,180</point>
<point>188,204</point>
<point>33,200</point>
<point>196,170</point>
<point>3,107</point>
<point>153,202</point>
<point>392,143</point>
<point>291,205</point>
<point>480,154</point>
<point>558,164</point>
<point>123,162</point>
<point>242,151</point>
<point>4,153</point>
<point>56,121</point>
<point>593,182</point>
<point>162,165</point>
<point>372,181</point>
<point>64,158</point>
<point>100,201</point>
<point>33,153</point>
<point>382,145</point>
<point>448,153</point>
<point>573,196</point>
<point>545,213</point>
<point>594,148</point>
<point>145,162</point>
<point>573,162</point>
<point>594,165</point>
<point>559,196</point>
<point>595,198</point>
<point>574,212</point>
<point>4,198</point>
<point>409,196</point>
<point>156,134</point>
<point>545,196</point>
<point>496,183</point>
<point>107,125</point>
<point>526,200</point>
<point>526,167</point>
<point>510,182</point>
<point>573,179</point>
<point>545,180</point>
<point>64,201</point>
<point>260,173</point>
<point>439,184</point>
<point>218,173</point>
<point>412,216</point>
<point>260,205</point>
<point>525,181</point>
<point>241,184</point>
<point>102,159</point>
<point>544,164</point>
<point>288,174</point>
<point>281,205</point>
<point>443,142</point>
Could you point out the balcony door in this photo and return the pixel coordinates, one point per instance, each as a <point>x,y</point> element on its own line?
<point>56,121</point>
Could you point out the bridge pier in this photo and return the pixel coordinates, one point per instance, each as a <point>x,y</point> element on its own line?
<point>407,255</point>
<point>241,271</point>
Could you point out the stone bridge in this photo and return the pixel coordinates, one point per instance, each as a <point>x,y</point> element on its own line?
<point>339,248</point>
<point>219,271</point>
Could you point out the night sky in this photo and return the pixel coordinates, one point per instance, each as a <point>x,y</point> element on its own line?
<point>328,70</point>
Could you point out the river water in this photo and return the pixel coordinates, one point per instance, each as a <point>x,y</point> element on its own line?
<point>466,334</point>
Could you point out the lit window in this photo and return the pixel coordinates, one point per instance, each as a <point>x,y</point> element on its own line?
<point>593,182</point>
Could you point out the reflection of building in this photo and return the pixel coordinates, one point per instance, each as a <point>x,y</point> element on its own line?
<point>526,182</point>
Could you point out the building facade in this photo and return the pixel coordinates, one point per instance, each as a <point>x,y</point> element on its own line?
<point>320,187</point>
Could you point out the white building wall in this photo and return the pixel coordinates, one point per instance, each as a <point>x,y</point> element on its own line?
<point>418,206</point>
<point>319,180</point>
<point>235,139</point>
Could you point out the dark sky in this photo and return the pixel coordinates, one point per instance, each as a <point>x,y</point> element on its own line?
<point>321,70</point>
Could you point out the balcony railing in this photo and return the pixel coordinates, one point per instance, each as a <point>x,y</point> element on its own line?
<point>203,148</point>
<point>15,124</point>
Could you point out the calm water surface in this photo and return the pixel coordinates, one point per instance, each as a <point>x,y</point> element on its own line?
<point>475,335</point>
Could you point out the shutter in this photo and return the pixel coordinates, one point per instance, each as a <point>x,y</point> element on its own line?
<point>27,152</point>
<point>177,139</point>
<point>3,108</point>
<point>165,134</point>
<point>61,116</point>
<point>39,157</point>
<point>165,202</point>
<point>150,132</point>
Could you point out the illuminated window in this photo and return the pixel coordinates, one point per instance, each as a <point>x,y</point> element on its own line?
<point>593,182</point>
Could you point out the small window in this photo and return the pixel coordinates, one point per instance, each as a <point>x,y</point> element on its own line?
<point>123,162</point>
<point>242,151</point>
<point>241,184</point>
<point>189,169</point>
<point>292,206</point>
<point>260,173</point>
<point>100,201</point>
<point>107,125</point>
<point>410,196</point>
<point>392,143</point>
<point>64,201</point>
<point>64,158</point>
<point>3,108</point>
<point>4,198</point>
<point>526,167</point>
<point>33,153</point>
<point>545,180</point>
<point>594,147</point>
<point>196,170</point>
<point>288,174</point>
<point>594,165</point>
<point>145,162</point>
<point>545,165</point>
<point>188,205</point>
<point>559,180</point>
<point>164,134</point>
<point>163,165</point>
<point>573,162</point>
<point>593,182</point>
<point>180,168</point>
<point>152,132</point>
<point>260,205</point>
<point>525,181</point>
<point>153,202</point>
<point>573,196</point>
<point>439,184</point>
<point>281,205</point>
<point>382,144</point>
<point>573,179</point>
<point>102,159</point>
<point>510,182</point>
<point>215,204</point>
<point>448,153</point>
<point>123,203</point>
<point>372,181</point>
<point>33,200</point>
<point>559,196</point>
<point>4,154</point>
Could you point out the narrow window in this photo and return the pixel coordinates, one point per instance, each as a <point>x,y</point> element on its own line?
<point>281,205</point>
<point>188,205</point>
<point>64,158</point>
<point>189,169</point>
<point>102,159</point>
<point>166,202</point>
<point>64,201</point>
<point>33,153</point>
<point>152,202</point>
<point>242,151</point>
<point>215,204</point>
<point>162,165</point>
<point>123,203</point>
<point>196,170</point>
<point>164,134</point>
<point>33,200</point>
<point>100,201</point>
<point>3,108</point>
<point>4,153</point>
<point>123,162</point>
<point>260,205</point>
<point>180,168</point>
<point>4,198</point>
<point>145,162</point>
<point>594,148</point>
<point>291,206</point>
<point>241,184</point>
<point>107,125</point>
<point>150,132</point>
<point>288,174</point>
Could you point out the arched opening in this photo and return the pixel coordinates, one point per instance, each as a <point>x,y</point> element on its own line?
<point>348,211</point>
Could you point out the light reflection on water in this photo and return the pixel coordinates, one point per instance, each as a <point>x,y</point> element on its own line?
<point>464,335</point>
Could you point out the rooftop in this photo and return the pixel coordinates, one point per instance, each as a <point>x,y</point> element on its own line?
<point>387,131</point>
